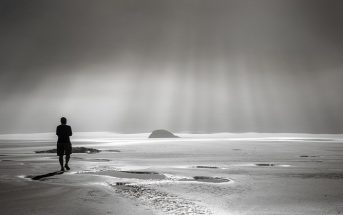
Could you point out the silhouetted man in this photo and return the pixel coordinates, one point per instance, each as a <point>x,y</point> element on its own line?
<point>63,132</point>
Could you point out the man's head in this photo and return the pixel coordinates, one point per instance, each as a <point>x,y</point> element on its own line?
<point>64,120</point>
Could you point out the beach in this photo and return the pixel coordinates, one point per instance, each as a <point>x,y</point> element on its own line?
<point>246,174</point>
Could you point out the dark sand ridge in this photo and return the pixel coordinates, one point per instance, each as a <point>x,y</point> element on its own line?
<point>206,167</point>
<point>131,174</point>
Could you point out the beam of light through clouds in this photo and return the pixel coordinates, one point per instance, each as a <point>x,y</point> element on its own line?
<point>188,66</point>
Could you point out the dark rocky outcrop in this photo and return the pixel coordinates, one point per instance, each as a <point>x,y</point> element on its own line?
<point>75,150</point>
<point>162,134</point>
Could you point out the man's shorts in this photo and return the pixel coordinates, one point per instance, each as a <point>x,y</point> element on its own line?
<point>64,149</point>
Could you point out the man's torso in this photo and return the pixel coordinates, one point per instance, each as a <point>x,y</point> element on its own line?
<point>63,132</point>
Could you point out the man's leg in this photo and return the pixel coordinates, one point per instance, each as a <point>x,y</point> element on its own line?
<point>67,161</point>
<point>61,162</point>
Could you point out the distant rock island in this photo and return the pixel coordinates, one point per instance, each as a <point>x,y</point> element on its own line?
<point>75,150</point>
<point>162,134</point>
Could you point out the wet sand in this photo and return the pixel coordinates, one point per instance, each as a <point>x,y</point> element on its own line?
<point>199,175</point>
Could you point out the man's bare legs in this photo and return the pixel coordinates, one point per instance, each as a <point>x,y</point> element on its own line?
<point>67,161</point>
<point>61,162</point>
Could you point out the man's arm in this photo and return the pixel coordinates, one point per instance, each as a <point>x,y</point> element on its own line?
<point>57,131</point>
<point>70,131</point>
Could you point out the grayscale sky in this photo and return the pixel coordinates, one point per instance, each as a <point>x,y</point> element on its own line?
<point>184,65</point>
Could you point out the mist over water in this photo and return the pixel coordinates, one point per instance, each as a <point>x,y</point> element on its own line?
<point>187,66</point>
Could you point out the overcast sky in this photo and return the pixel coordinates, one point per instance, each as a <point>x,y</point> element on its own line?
<point>187,66</point>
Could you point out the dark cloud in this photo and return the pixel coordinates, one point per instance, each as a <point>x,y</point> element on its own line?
<point>195,65</point>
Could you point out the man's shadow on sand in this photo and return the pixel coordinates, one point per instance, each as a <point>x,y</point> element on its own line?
<point>40,177</point>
